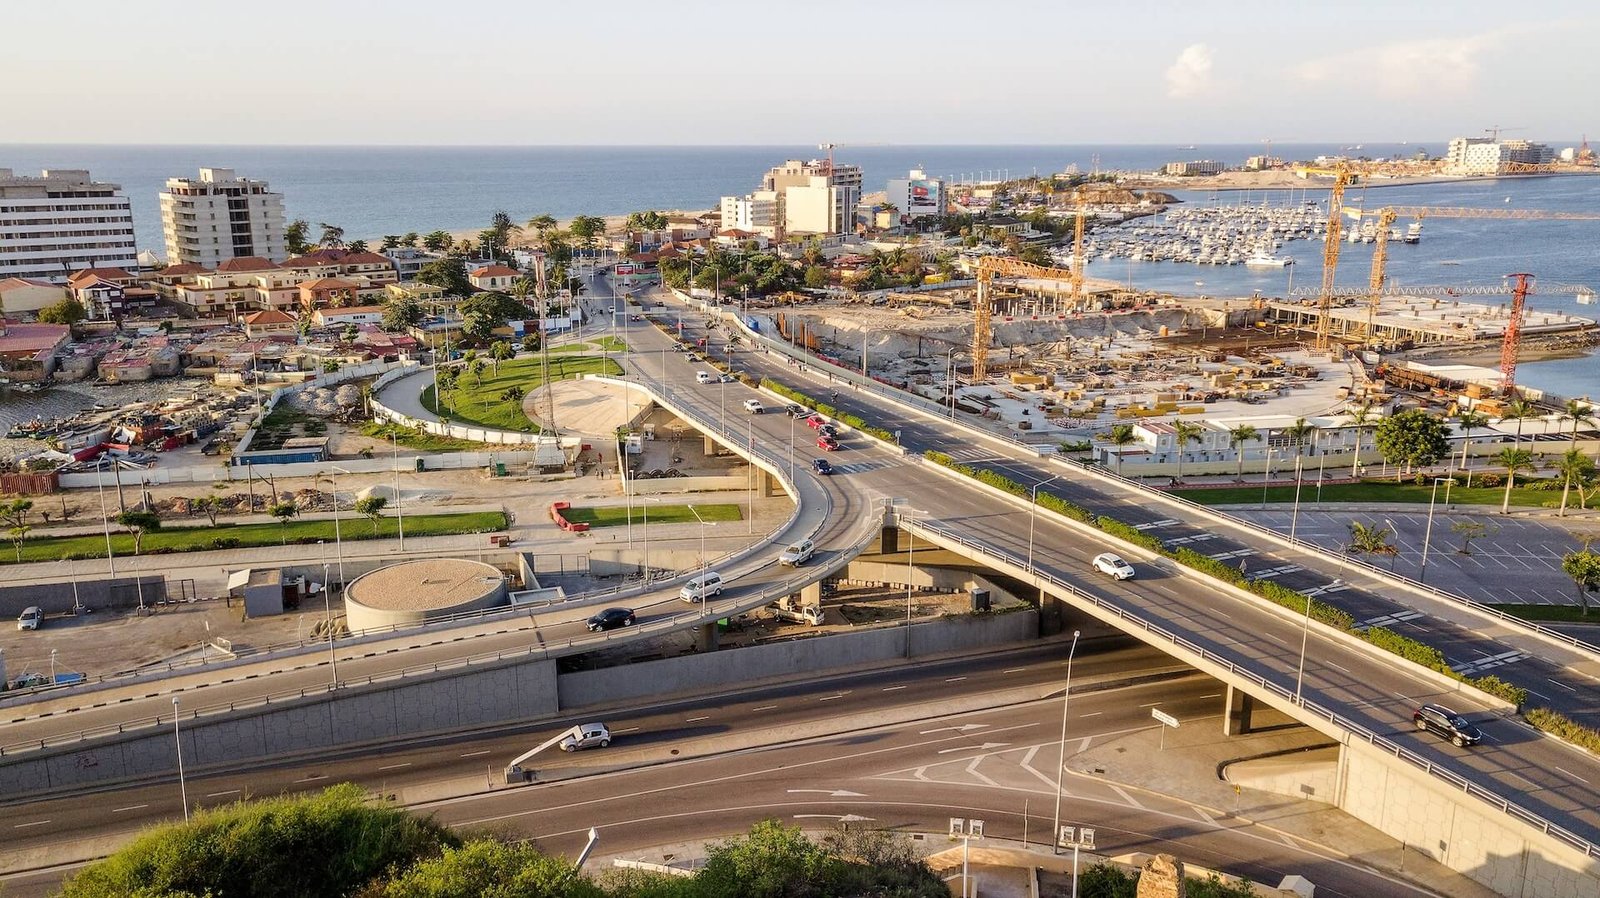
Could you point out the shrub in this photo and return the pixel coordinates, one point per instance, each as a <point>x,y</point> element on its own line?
<point>226,542</point>
<point>1489,480</point>
<point>1129,533</point>
<point>1561,726</point>
<point>1501,689</point>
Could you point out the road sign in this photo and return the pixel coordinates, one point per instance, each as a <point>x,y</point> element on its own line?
<point>975,828</point>
<point>1164,717</point>
<point>1076,837</point>
<point>958,826</point>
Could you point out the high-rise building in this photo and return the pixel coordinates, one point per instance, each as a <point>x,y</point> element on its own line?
<point>1487,156</point>
<point>754,212</point>
<point>818,197</point>
<point>221,216</point>
<point>916,196</point>
<point>60,222</point>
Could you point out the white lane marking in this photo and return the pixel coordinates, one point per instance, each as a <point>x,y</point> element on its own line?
<point>131,807</point>
<point>26,825</point>
<point>395,766</point>
<point>892,688</point>
<point>829,698</point>
<point>972,768</point>
<point>1149,704</point>
<point>984,747</point>
<point>223,792</point>
<point>1288,841</point>
<point>1123,794</point>
<point>954,679</point>
<point>1570,773</point>
<point>764,708</point>
<point>474,754</point>
<point>313,778</point>
<point>1092,714</point>
<point>1562,685</point>
<point>1203,815</point>
<point>1212,695</point>
<point>1014,670</point>
<point>697,719</point>
<point>625,730</point>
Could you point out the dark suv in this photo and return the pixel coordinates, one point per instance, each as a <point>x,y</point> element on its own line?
<point>611,619</point>
<point>1448,724</point>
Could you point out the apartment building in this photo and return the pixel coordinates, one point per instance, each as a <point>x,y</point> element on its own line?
<point>1487,156</point>
<point>756,213</point>
<point>221,216</point>
<point>60,222</point>
<point>818,197</point>
<point>916,196</point>
<point>1193,168</point>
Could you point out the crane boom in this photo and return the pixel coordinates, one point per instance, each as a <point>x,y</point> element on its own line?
<point>1330,249</point>
<point>989,268</point>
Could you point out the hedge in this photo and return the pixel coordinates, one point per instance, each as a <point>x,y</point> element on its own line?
<point>1563,727</point>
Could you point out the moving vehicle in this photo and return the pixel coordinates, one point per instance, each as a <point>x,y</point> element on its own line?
<point>702,587</point>
<point>704,377</point>
<point>754,406</point>
<point>611,619</point>
<point>1447,723</point>
<point>827,443</point>
<point>822,466</point>
<point>1113,566</point>
<point>795,411</point>
<point>586,735</point>
<point>31,617</point>
<point>798,553</point>
<point>829,430</point>
<point>728,378</point>
<point>810,615</point>
<point>816,421</point>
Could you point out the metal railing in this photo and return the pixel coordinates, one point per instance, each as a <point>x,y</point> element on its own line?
<point>1284,693</point>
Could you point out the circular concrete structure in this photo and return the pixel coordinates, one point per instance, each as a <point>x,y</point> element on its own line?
<point>416,591</point>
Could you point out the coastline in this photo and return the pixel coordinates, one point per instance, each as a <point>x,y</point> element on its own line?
<point>1283,180</point>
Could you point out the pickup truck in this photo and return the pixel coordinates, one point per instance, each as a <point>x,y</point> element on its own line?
<point>810,615</point>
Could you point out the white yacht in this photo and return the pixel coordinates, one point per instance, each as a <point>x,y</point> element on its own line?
<point>1264,260</point>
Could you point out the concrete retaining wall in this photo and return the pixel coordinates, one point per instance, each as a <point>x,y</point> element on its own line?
<point>709,483</point>
<point>470,698</point>
<point>57,598</point>
<point>800,657</point>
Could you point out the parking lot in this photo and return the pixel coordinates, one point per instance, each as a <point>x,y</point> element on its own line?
<point>1518,561</point>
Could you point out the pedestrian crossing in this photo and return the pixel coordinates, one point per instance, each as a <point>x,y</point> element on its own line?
<point>1279,571</point>
<point>857,467</point>
<point>1336,586</point>
<point>970,454</point>
<point>1234,553</point>
<point>1470,668</point>
<point>1197,538</point>
<point>1168,522</point>
<point>1388,619</point>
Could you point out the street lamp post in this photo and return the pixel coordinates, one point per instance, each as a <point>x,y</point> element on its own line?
<point>1427,533</point>
<point>1066,698</point>
<point>646,511</point>
<point>399,503</point>
<point>1294,518</point>
<point>1266,479</point>
<point>327,612</point>
<point>1393,559</point>
<point>177,742</point>
<point>703,526</point>
<point>1033,512</point>
<point>750,471</point>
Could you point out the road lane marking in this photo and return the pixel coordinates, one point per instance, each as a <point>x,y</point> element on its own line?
<point>972,768</point>
<point>395,766</point>
<point>764,708</point>
<point>1149,704</point>
<point>313,778</point>
<point>1563,685</point>
<point>223,792</point>
<point>1212,695</point>
<point>26,825</point>
<point>131,807</point>
<point>954,679</point>
<point>1132,802</point>
<point>474,754</point>
<point>1092,714</point>
<point>1203,815</point>
<point>829,698</point>
<point>1014,670</point>
<point>697,719</point>
<point>1570,773</point>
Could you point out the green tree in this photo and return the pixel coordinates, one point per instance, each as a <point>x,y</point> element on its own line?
<point>357,246</point>
<point>401,313</point>
<point>475,368</point>
<point>1468,422</point>
<point>449,275</point>
<point>1575,468</point>
<point>371,507</point>
<point>772,861</point>
<point>1521,410</point>
<point>138,523</point>
<point>586,228</point>
<point>513,394</point>
<point>1469,531</point>
<point>64,311</point>
<point>332,236</point>
<point>1414,438</point>
<point>1184,433</point>
<point>1361,418</point>
<point>1584,568</point>
<point>436,241</point>
<point>1370,539</point>
<point>1513,460</point>
<point>18,534</point>
<point>543,223</point>
<point>1238,436</point>
<point>487,869</point>
<point>283,511</point>
<point>15,513</point>
<point>1121,435</point>
<point>1581,414</point>
<point>1299,431</point>
<point>295,237</point>
<point>208,505</point>
<point>816,277</point>
<point>646,221</point>
<point>391,241</point>
<point>500,352</point>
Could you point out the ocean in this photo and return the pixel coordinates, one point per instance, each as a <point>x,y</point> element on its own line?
<point>372,191</point>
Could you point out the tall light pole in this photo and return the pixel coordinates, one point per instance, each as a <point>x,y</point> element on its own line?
<point>703,526</point>
<point>1033,512</point>
<point>327,612</point>
<point>1427,533</point>
<point>792,419</point>
<point>750,471</point>
<point>1294,518</point>
<point>399,503</point>
<point>1305,638</point>
<point>1266,479</point>
<point>1066,698</point>
<point>105,520</point>
<point>338,535</point>
<point>177,742</point>
<point>646,509</point>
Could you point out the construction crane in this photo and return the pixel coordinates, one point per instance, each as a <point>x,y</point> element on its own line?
<point>991,267</point>
<point>1342,177</point>
<point>1386,218</point>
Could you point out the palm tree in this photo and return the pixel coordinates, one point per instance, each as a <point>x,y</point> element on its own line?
<point>1573,466</point>
<point>1468,422</point>
<point>332,236</point>
<point>1185,432</point>
<point>1361,419</point>
<point>1580,413</point>
<point>1513,460</point>
<point>1521,409</point>
<point>499,352</point>
<point>1298,431</point>
<point>542,223</point>
<point>1238,436</point>
<point>1370,539</point>
<point>1121,435</point>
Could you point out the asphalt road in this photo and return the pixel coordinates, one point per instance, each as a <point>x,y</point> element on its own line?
<point>1551,779</point>
<point>998,765</point>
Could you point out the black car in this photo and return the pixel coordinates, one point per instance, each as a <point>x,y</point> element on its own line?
<point>796,411</point>
<point>1448,724</point>
<point>829,430</point>
<point>821,466</point>
<point>611,619</point>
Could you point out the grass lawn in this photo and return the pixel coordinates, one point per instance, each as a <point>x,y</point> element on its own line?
<point>607,344</point>
<point>612,516</point>
<point>202,538</point>
<point>1373,491</point>
<point>412,439</point>
<point>1567,614</point>
<point>472,402</point>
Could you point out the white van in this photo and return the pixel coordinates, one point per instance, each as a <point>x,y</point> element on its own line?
<point>31,617</point>
<point>754,406</point>
<point>702,587</point>
<point>704,377</point>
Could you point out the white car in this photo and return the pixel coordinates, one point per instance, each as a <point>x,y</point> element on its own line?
<point>797,554</point>
<point>1113,566</point>
<point>31,617</point>
<point>754,406</point>
<point>704,377</point>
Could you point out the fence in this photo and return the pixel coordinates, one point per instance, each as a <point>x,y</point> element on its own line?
<point>241,452</point>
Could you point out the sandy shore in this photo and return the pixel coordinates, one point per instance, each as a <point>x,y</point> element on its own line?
<point>526,238</point>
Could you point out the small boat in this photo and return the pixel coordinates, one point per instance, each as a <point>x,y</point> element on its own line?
<point>1263,260</point>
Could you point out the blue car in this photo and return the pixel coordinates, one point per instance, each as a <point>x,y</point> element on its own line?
<point>821,466</point>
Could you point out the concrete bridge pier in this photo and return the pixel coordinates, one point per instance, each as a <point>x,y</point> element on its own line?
<point>768,486</point>
<point>711,445</point>
<point>705,637</point>
<point>889,540</point>
<point>1239,710</point>
<point>811,594</point>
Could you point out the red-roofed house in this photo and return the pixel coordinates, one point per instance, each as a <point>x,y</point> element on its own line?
<point>28,294</point>
<point>347,315</point>
<point>328,292</point>
<point>28,351</point>
<point>270,323</point>
<point>493,277</point>
<point>246,265</point>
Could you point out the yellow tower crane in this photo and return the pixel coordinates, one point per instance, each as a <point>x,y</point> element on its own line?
<point>1342,178</point>
<point>989,268</point>
<point>1385,220</point>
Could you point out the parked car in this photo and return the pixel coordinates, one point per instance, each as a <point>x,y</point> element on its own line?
<point>822,466</point>
<point>729,378</point>
<point>798,553</point>
<point>1113,566</point>
<point>693,356</point>
<point>611,619</point>
<point>827,443</point>
<point>704,377</point>
<point>31,617</point>
<point>810,615</point>
<point>1447,723</point>
<point>587,735</point>
<point>816,421</point>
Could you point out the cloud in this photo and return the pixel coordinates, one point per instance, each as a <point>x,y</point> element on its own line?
<point>1190,74</point>
<point>1429,67</point>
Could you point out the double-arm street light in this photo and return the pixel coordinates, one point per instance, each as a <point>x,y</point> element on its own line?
<point>1066,699</point>
<point>1033,512</point>
<point>1427,534</point>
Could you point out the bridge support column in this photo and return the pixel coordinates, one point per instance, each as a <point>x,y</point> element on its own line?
<point>1241,707</point>
<point>706,637</point>
<point>809,595</point>
<point>710,446</point>
<point>889,540</point>
<point>769,485</point>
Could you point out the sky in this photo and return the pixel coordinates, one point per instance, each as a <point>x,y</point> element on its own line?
<point>747,72</point>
